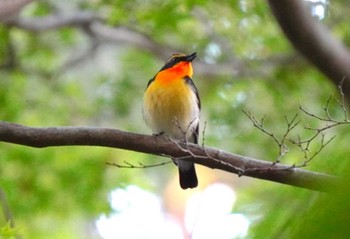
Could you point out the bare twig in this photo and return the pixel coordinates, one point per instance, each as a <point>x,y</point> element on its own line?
<point>139,165</point>
<point>6,209</point>
<point>342,103</point>
<point>305,144</point>
<point>189,154</point>
<point>308,158</point>
<point>7,212</point>
<point>281,142</point>
<point>329,121</point>
<point>203,133</point>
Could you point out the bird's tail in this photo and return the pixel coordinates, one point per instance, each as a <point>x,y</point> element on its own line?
<point>187,174</point>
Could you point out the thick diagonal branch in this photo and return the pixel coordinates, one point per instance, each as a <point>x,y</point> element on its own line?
<point>210,157</point>
<point>314,41</point>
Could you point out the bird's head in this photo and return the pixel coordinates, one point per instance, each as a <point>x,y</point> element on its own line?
<point>180,63</point>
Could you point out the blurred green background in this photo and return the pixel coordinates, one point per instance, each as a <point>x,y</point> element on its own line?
<point>69,76</point>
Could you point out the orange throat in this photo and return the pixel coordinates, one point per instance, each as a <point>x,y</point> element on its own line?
<point>176,72</point>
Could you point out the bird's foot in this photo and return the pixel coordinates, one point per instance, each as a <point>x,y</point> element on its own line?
<point>158,134</point>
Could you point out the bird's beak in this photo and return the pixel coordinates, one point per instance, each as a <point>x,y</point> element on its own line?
<point>191,57</point>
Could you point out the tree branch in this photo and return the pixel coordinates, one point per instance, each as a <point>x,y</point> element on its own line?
<point>54,21</point>
<point>314,41</point>
<point>97,28</point>
<point>124,35</point>
<point>11,8</point>
<point>40,137</point>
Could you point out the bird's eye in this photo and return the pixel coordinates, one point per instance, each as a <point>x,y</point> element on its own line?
<point>173,59</point>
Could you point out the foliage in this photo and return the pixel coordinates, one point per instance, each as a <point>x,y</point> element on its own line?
<point>7,232</point>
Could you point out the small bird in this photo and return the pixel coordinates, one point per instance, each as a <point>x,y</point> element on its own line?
<point>171,106</point>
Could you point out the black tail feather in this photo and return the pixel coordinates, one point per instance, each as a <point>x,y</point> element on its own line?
<point>188,177</point>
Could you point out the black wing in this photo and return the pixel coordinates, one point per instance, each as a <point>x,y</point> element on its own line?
<point>189,81</point>
<point>149,82</point>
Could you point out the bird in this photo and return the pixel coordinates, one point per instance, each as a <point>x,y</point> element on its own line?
<point>171,107</point>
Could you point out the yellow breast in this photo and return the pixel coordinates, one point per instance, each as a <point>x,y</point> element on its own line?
<point>171,108</point>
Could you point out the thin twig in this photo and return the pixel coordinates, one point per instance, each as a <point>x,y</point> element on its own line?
<point>139,165</point>
<point>7,212</point>
<point>281,143</point>
<point>305,144</point>
<point>203,133</point>
<point>187,150</point>
<point>342,103</point>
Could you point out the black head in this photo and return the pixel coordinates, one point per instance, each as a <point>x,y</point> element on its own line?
<point>176,58</point>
